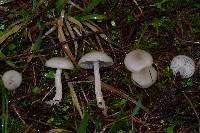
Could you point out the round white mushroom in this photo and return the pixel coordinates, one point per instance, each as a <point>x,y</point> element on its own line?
<point>184,65</point>
<point>12,79</point>
<point>145,78</point>
<point>59,63</point>
<point>137,60</point>
<point>95,60</point>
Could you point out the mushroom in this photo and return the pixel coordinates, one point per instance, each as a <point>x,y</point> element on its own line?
<point>144,78</point>
<point>95,60</point>
<point>184,65</point>
<point>12,79</point>
<point>59,63</point>
<point>137,60</point>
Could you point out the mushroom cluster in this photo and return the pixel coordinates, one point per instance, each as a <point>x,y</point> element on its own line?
<point>139,62</point>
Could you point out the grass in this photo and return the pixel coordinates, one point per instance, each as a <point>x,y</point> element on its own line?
<point>32,32</point>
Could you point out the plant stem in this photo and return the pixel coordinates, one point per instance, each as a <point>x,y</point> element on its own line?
<point>4,124</point>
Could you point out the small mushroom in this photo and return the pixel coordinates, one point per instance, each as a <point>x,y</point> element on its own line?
<point>95,60</point>
<point>144,78</point>
<point>59,63</point>
<point>137,60</point>
<point>184,65</point>
<point>12,79</point>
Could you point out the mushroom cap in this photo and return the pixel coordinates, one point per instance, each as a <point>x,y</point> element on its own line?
<point>145,78</point>
<point>59,63</point>
<point>184,65</point>
<point>137,60</point>
<point>12,79</point>
<point>87,60</point>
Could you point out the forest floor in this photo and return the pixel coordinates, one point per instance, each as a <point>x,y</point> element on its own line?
<point>31,32</point>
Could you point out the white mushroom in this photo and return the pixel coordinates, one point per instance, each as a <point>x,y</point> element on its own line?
<point>184,65</point>
<point>95,60</point>
<point>59,63</point>
<point>12,79</point>
<point>137,60</point>
<point>145,78</point>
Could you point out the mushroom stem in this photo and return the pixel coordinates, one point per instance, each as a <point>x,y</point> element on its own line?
<point>99,96</point>
<point>58,85</point>
<point>181,70</point>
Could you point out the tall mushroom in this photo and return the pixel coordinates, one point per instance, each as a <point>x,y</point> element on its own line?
<point>139,62</point>
<point>95,60</point>
<point>12,79</point>
<point>184,65</point>
<point>59,63</point>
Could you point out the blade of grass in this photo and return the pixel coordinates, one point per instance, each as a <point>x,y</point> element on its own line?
<point>59,6</point>
<point>91,5</point>
<point>84,123</point>
<point>89,17</point>
<point>64,44</point>
<point>75,21</point>
<point>15,29</point>
<point>72,35</point>
<point>137,107</point>
<point>9,63</point>
<point>4,109</point>
<point>74,97</point>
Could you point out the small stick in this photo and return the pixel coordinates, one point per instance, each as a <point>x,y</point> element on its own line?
<point>192,106</point>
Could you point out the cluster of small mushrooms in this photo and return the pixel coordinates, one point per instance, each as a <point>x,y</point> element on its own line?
<point>138,61</point>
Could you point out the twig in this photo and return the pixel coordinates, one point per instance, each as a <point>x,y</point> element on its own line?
<point>74,97</point>
<point>137,5</point>
<point>113,90</point>
<point>192,106</point>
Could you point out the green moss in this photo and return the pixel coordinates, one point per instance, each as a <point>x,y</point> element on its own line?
<point>148,43</point>
<point>15,125</point>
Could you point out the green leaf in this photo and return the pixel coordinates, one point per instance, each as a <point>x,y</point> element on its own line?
<point>36,90</point>
<point>2,55</point>
<point>59,5</point>
<point>11,46</point>
<point>40,24</point>
<point>115,127</point>
<point>170,129</point>
<point>88,17</point>
<point>10,63</point>
<point>36,45</point>
<point>84,123</point>
<point>34,5</point>
<point>14,29</point>
<point>91,5</point>
<point>50,74</point>
<point>137,107</point>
